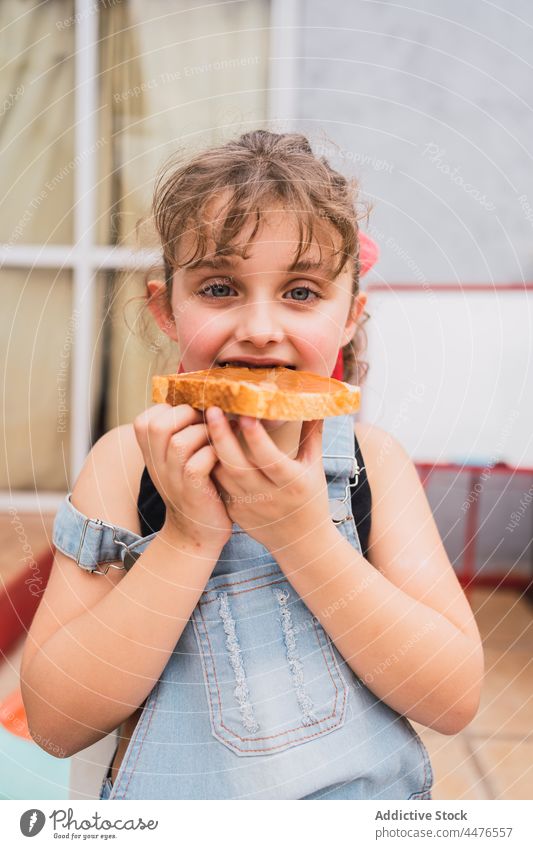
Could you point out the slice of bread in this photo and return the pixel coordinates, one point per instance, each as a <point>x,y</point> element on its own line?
<point>265,393</point>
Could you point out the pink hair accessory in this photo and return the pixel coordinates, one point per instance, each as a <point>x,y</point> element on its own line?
<point>368,253</point>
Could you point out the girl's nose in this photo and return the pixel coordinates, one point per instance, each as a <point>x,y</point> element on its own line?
<point>258,324</point>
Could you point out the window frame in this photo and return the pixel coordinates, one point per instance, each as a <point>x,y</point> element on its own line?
<point>85,258</point>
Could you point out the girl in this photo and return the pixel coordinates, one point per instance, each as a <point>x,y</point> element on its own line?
<point>252,636</point>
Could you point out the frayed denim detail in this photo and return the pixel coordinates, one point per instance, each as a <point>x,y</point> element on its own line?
<point>295,664</point>
<point>242,694</point>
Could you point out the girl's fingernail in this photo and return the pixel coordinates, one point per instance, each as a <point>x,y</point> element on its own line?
<point>248,421</point>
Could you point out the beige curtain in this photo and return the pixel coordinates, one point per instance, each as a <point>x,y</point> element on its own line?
<point>171,73</point>
<point>37,336</point>
<point>36,126</point>
<point>181,73</point>
<point>37,327</point>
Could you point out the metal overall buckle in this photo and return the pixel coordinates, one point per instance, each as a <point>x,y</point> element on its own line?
<point>347,494</point>
<point>102,568</point>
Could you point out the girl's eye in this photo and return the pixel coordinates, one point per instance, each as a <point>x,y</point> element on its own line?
<point>304,291</point>
<point>217,286</point>
<point>217,290</point>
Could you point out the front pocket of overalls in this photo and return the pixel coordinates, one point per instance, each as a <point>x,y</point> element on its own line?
<point>271,675</point>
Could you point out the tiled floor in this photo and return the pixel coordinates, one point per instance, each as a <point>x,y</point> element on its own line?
<point>491,759</point>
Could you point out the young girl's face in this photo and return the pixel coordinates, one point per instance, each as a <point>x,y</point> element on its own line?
<point>237,308</point>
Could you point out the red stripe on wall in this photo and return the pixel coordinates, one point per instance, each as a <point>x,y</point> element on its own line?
<point>19,599</point>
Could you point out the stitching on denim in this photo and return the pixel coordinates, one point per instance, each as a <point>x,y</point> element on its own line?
<point>423,752</point>
<point>421,795</point>
<point>219,697</point>
<point>233,583</point>
<point>295,664</point>
<point>428,771</point>
<point>241,691</point>
<point>136,735</point>
<point>319,631</point>
<point>332,715</point>
<point>279,746</point>
<point>206,657</point>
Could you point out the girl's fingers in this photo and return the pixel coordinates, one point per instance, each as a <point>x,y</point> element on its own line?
<point>225,443</point>
<point>310,448</point>
<point>198,471</point>
<point>224,480</point>
<point>201,463</point>
<point>184,443</point>
<point>143,426</point>
<point>274,464</point>
<point>155,426</point>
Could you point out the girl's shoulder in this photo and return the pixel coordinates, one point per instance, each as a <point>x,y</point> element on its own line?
<point>109,479</point>
<point>374,442</point>
<point>386,460</point>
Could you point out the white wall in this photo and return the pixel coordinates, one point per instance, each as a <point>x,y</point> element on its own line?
<point>454,386</point>
<point>432,109</point>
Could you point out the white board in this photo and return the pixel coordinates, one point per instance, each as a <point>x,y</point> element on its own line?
<point>451,374</point>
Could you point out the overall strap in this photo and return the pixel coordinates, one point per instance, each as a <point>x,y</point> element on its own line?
<point>340,463</point>
<point>95,545</point>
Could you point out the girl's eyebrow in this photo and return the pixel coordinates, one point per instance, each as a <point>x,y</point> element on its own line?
<point>301,266</point>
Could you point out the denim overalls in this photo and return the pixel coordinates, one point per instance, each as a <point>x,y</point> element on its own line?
<point>256,702</point>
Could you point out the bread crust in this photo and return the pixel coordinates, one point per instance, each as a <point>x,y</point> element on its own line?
<point>270,393</point>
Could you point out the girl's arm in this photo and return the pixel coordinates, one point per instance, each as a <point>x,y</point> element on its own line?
<point>400,618</point>
<point>98,644</point>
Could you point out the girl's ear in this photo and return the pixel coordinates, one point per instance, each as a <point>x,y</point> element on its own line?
<point>358,307</point>
<point>160,308</point>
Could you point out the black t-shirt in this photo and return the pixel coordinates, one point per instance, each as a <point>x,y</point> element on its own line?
<point>151,506</point>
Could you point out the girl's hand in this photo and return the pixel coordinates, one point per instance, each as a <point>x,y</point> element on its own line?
<point>176,449</point>
<point>274,499</point>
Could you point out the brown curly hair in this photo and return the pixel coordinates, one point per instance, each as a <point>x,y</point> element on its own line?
<point>259,167</point>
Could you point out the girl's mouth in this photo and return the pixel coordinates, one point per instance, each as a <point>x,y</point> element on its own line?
<point>238,364</point>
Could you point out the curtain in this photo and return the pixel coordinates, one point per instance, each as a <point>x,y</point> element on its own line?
<point>180,73</point>
<point>171,73</point>
<point>37,337</point>
<point>37,327</point>
<point>36,126</point>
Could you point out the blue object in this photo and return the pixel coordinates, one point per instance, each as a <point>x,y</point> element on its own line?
<point>28,772</point>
